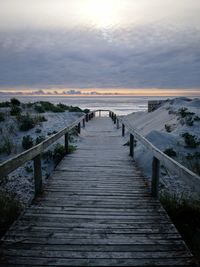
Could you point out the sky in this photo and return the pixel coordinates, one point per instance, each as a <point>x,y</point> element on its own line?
<point>115,45</point>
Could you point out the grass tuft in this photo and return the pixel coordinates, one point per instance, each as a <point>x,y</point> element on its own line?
<point>10,209</point>
<point>185,215</point>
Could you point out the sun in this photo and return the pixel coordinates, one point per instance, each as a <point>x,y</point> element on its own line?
<point>101,13</point>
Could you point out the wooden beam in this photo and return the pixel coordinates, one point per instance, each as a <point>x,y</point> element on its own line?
<point>131,145</point>
<point>38,174</point>
<point>123,129</point>
<point>83,123</point>
<point>155,177</point>
<point>79,127</point>
<point>66,142</point>
<point>117,124</point>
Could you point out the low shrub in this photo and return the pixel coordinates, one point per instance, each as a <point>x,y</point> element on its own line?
<point>29,169</point>
<point>27,142</point>
<point>183,112</point>
<point>47,155</point>
<point>10,209</point>
<point>185,215</point>
<point>170,152</point>
<point>74,109</point>
<point>51,133</point>
<point>15,111</point>
<point>48,106</point>
<point>2,118</point>
<point>15,102</point>
<point>63,106</point>
<point>6,104</point>
<point>39,108</point>
<point>26,122</point>
<point>196,118</point>
<point>38,130</point>
<point>58,153</point>
<point>189,121</point>
<point>71,149</point>
<point>29,105</point>
<point>6,145</point>
<point>168,128</point>
<point>190,140</point>
<point>12,129</point>
<point>39,139</point>
<point>86,110</point>
<point>193,162</point>
<point>39,119</point>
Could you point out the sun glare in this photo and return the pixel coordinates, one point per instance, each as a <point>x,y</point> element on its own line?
<point>101,13</point>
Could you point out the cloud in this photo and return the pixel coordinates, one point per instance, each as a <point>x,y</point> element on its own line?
<point>136,57</point>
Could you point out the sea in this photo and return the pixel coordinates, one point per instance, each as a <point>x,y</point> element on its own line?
<point>121,105</point>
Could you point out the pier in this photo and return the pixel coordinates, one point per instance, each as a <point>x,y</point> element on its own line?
<point>97,209</point>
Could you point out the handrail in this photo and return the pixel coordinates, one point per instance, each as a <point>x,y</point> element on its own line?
<point>36,151</point>
<point>159,157</point>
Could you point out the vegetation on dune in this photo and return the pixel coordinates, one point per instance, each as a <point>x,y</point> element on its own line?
<point>6,145</point>
<point>170,152</point>
<point>27,122</point>
<point>186,217</point>
<point>43,106</point>
<point>39,139</point>
<point>27,142</point>
<point>10,209</point>
<point>2,116</point>
<point>5,104</point>
<point>15,111</point>
<point>60,151</point>
<point>168,128</point>
<point>193,162</point>
<point>190,140</point>
<point>188,118</point>
<point>15,102</point>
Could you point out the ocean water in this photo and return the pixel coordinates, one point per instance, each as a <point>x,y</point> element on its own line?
<point>121,105</point>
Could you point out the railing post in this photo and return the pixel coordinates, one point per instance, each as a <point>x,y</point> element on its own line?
<point>123,129</point>
<point>37,174</point>
<point>86,117</point>
<point>66,142</point>
<point>79,128</point>
<point>155,177</point>
<point>131,145</point>
<point>83,123</point>
<point>115,118</point>
<point>117,124</point>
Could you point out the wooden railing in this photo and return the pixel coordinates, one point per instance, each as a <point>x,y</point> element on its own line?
<point>35,152</point>
<point>159,158</point>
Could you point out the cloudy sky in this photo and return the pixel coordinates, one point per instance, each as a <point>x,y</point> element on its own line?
<point>100,44</point>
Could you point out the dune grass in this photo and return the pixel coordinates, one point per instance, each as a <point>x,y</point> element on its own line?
<point>10,209</point>
<point>186,217</point>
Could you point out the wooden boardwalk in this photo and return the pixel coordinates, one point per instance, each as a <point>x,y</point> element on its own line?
<point>96,211</point>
